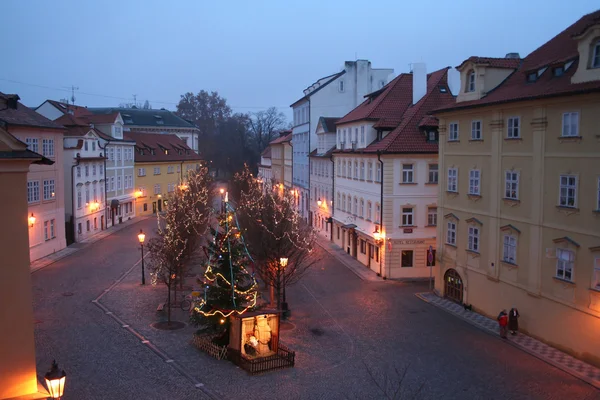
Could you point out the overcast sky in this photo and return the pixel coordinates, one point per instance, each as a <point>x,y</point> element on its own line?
<point>256,53</point>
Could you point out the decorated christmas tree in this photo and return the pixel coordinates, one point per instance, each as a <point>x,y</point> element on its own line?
<point>229,288</point>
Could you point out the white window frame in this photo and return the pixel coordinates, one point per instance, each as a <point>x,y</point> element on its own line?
<point>112,183</point>
<point>453,132</point>
<point>79,198</point>
<point>49,186</point>
<point>157,188</point>
<point>408,173</point>
<point>473,238</point>
<point>509,248</point>
<point>476,130</point>
<point>471,81</point>
<point>431,216</point>
<point>452,180</point>
<point>339,200</point>
<point>377,212</point>
<point>511,185</point>
<point>475,182</point>
<point>355,170</point>
<point>451,233</point>
<point>361,209</point>
<point>370,171</point>
<point>119,182</point>
<point>33,191</point>
<point>52,229</point>
<point>570,124</point>
<point>564,192</point>
<point>156,170</point>
<point>142,171</point>
<point>355,206</point>
<point>362,135</point>
<point>32,144</point>
<point>48,148</point>
<point>408,216</point>
<point>78,171</point>
<point>362,170</point>
<point>433,173</point>
<point>369,210</point>
<point>513,128</point>
<point>378,176</point>
<point>344,202</point>
<point>565,264</point>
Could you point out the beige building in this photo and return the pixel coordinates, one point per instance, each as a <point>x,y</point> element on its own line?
<point>519,193</point>
<point>45,183</point>
<point>18,375</point>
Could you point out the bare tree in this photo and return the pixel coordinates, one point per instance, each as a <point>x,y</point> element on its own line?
<point>264,126</point>
<point>274,231</point>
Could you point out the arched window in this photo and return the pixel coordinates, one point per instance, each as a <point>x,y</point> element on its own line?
<point>355,206</point>
<point>470,81</point>
<point>355,169</point>
<point>344,203</point>
<point>362,208</point>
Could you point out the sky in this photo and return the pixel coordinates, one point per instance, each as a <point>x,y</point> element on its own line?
<point>256,54</point>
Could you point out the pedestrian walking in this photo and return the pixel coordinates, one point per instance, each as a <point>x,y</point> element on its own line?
<point>513,321</point>
<point>503,322</point>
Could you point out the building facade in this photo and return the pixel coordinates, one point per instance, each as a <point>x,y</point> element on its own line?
<point>519,198</point>
<point>162,162</point>
<point>264,168</point>
<point>386,176</point>
<point>331,96</point>
<point>45,183</point>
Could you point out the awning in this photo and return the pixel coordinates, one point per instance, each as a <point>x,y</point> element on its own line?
<point>114,203</point>
<point>349,226</point>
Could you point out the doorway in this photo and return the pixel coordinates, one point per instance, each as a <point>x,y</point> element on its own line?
<point>159,205</point>
<point>153,207</point>
<point>453,286</point>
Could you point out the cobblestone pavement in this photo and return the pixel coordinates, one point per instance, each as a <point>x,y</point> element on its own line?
<point>345,329</point>
<point>561,360</point>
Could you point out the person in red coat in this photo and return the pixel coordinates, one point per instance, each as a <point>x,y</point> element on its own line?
<point>503,322</point>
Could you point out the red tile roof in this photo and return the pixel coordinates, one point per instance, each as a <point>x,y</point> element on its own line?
<point>558,50</point>
<point>511,63</point>
<point>65,107</point>
<point>388,102</point>
<point>79,127</point>
<point>266,152</point>
<point>282,139</point>
<point>159,143</point>
<point>22,115</point>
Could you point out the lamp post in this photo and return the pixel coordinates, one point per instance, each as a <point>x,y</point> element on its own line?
<point>141,238</point>
<point>283,261</point>
<point>55,381</point>
<point>222,191</point>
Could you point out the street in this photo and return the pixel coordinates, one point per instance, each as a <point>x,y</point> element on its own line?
<point>346,332</point>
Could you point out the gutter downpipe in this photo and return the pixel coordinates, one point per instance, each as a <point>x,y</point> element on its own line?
<point>381,211</point>
<point>105,181</point>
<point>73,193</point>
<point>332,195</point>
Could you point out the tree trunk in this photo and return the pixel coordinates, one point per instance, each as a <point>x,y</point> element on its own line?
<point>272,295</point>
<point>169,305</point>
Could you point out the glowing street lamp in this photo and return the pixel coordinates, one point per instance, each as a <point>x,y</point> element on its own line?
<point>141,238</point>
<point>31,220</point>
<point>183,186</point>
<point>377,235</point>
<point>55,381</point>
<point>283,261</point>
<point>319,202</point>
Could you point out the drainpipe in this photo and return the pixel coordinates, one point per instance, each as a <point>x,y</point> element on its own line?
<point>381,209</point>
<point>73,199</point>
<point>309,135</point>
<point>332,195</point>
<point>105,181</point>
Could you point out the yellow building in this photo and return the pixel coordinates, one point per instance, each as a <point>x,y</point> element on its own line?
<point>161,164</point>
<point>519,193</point>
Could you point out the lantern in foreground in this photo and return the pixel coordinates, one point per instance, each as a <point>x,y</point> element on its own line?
<point>319,202</point>
<point>31,220</point>
<point>141,236</point>
<point>55,381</point>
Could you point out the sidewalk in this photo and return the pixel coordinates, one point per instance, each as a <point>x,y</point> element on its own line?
<point>557,358</point>
<point>67,251</point>
<point>362,271</point>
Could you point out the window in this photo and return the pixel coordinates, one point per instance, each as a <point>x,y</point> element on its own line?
<point>142,171</point>
<point>432,216</point>
<point>93,146</point>
<point>94,170</point>
<point>532,77</point>
<point>453,131</point>
<point>118,131</point>
<point>112,183</point>
<point>110,153</point>
<point>475,130</point>
<point>355,169</point>
<point>156,170</point>
<point>32,144</point>
<point>474,239</point>
<point>363,247</point>
<point>570,127</point>
<point>338,200</point>
<point>79,227</point>
<point>511,185</point>
<point>474,182</point>
<point>407,258</point>
<point>514,128</point>
<point>369,171</point>
<point>453,180</point>
<point>344,169</point>
<point>95,193</point>
<point>87,195</point>
<point>565,260</point>
<point>157,188</point>
<point>509,252</point>
<point>355,206</point>
<point>596,283</point>
<point>78,198</point>
<point>86,149</point>
<point>369,205</point>
<point>407,216</point>
<point>407,173</point>
<point>145,206</point>
<point>49,189</point>
<point>596,55</point>
<point>433,173</point>
<point>46,230</point>
<point>362,170</point>
<point>118,150</point>
<point>52,230</point>
<point>87,170</point>
<point>378,173</point>
<point>568,191</point>
<point>119,182</point>
<point>362,135</point>
<point>451,233</point>
<point>48,147</point>
<point>377,212</point>
<point>344,202</point>
<point>79,172</point>
<point>33,191</point>
<point>361,210</point>
<point>341,87</point>
<point>471,81</point>
<point>178,169</point>
<point>87,224</point>
<point>101,168</point>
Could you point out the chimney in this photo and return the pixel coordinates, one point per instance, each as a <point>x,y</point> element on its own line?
<point>419,72</point>
<point>512,55</point>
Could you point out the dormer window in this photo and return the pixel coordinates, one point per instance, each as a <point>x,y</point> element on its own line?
<point>471,81</point>
<point>559,71</point>
<point>596,54</point>
<point>532,77</point>
<point>432,136</point>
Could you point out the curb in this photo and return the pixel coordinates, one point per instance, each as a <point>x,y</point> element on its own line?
<point>547,360</point>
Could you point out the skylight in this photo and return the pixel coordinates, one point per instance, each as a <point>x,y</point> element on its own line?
<point>541,71</point>
<point>567,65</point>
<point>443,89</point>
<point>532,77</point>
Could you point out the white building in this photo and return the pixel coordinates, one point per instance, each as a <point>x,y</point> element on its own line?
<point>386,175</point>
<point>265,173</point>
<point>321,177</point>
<point>331,96</point>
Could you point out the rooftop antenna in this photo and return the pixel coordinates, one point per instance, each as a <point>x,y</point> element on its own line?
<point>73,89</point>
<point>135,99</point>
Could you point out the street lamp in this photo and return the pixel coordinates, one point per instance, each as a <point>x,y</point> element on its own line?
<point>283,261</point>
<point>377,235</point>
<point>319,202</point>
<point>55,381</point>
<point>141,238</point>
<point>31,220</point>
